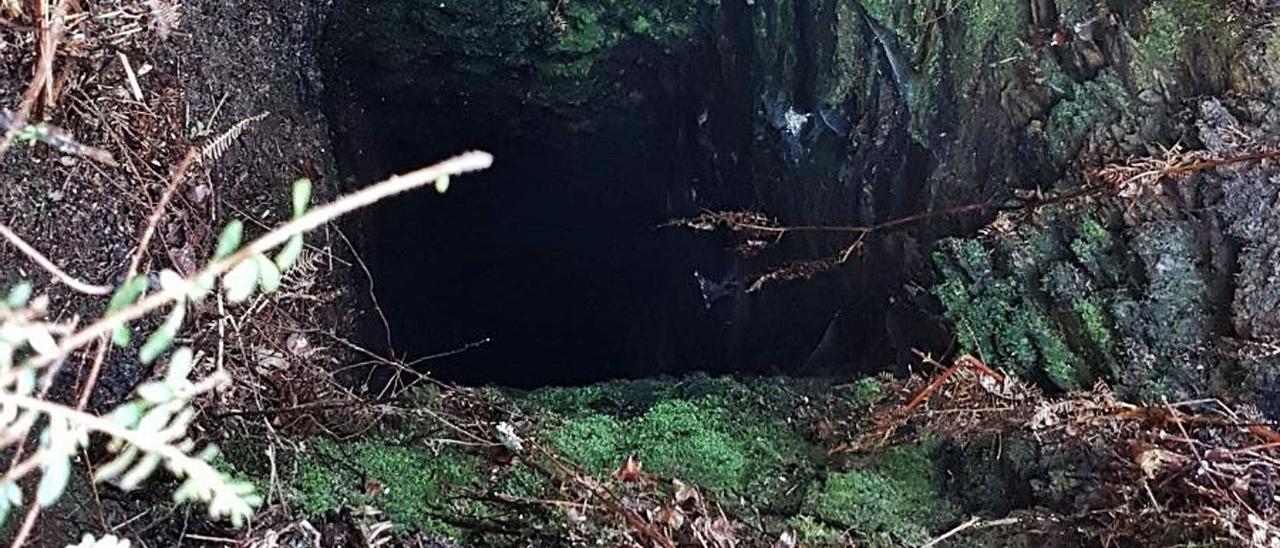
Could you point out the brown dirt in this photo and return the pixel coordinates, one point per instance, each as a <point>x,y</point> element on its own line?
<point>225,62</point>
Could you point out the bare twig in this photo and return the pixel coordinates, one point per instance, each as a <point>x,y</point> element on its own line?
<point>758,230</point>
<point>953,532</point>
<point>28,524</point>
<point>48,266</point>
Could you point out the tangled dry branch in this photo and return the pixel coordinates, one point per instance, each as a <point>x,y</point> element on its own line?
<point>1200,464</point>
<point>755,232</point>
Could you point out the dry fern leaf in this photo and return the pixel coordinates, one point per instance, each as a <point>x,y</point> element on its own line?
<point>164,17</point>
<point>215,148</point>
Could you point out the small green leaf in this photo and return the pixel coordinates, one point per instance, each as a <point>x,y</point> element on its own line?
<point>39,339</point>
<point>180,423</point>
<point>124,296</point>
<point>230,239</point>
<point>301,197</point>
<point>127,414</point>
<point>162,339</point>
<point>6,356</point>
<point>19,295</point>
<point>121,335</point>
<point>202,285</point>
<point>209,453</point>
<point>10,496</point>
<point>180,365</point>
<point>140,471</point>
<point>442,184</point>
<point>171,280</point>
<point>268,274</point>
<point>241,281</point>
<point>156,419</point>
<point>26,381</point>
<point>57,470</point>
<point>155,392</point>
<point>117,466</point>
<point>288,256</point>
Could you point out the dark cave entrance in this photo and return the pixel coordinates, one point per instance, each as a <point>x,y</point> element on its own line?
<point>551,267</point>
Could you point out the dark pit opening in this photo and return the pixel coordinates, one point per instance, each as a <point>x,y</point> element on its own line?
<point>551,267</point>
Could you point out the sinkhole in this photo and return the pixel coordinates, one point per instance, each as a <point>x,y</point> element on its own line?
<point>553,267</point>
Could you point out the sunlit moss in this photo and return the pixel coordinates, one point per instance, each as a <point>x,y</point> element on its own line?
<point>594,441</point>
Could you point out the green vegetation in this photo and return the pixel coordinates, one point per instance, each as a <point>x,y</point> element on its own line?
<point>592,25</point>
<point>1172,24</point>
<point>734,440</point>
<point>867,390</point>
<point>412,485</point>
<point>1082,107</point>
<point>710,432</point>
<point>995,318</point>
<point>593,441</point>
<point>896,502</point>
<point>1271,47</point>
<point>588,30</point>
<point>1096,327</point>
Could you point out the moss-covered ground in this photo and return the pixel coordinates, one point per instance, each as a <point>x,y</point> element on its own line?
<point>737,441</point>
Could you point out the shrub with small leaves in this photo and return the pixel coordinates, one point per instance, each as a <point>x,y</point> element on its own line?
<point>109,541</point>
<point>149,431</point>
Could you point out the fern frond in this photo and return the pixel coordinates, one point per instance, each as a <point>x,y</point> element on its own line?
<point>164,17</point>
<point>218,146</point>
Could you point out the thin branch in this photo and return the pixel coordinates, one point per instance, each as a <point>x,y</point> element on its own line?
<point>194,155</point>
<point>25,467</point>
<point>953,532</point>
<point>471,161</point>
<point>28,524</point>
<point>49,34</point>
<point>149,230</point>
<point>48,266</point>
<point>147,442</point>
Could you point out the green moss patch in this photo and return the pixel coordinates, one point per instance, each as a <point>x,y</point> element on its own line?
<point>413,486</point>
<point>894,502</point>
<point>730,438</point>
<point>734,440</point>
<point>1020,315</point>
